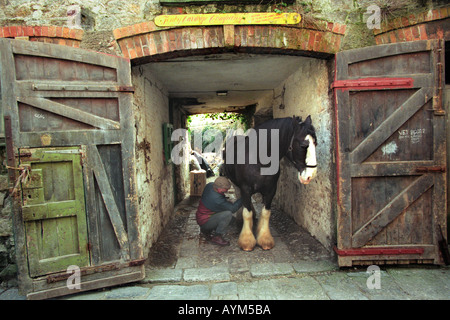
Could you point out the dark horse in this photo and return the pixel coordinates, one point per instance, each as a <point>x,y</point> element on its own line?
<point>250,170</point>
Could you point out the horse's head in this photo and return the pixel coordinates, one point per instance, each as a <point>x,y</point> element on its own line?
<point>302,150</point>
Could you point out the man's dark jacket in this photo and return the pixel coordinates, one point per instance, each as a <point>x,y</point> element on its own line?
<point>213,202</point>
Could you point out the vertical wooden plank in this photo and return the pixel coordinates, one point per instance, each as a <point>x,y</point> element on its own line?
<point>128,159</point>
<point>344,175</point>
<point>66,70</point>
<point>91,206</point>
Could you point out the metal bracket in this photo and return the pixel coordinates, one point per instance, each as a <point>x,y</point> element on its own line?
<point>373,83</point>
<point>377,251</point>
<point>62,276</point>
<point>431,169</point>
<point>11,161</point>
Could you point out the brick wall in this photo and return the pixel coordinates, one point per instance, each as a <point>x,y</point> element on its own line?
<point>50,34</point>
<point>146,42</point>
<point>432,24</point>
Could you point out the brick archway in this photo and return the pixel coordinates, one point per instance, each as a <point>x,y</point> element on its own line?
<point>431,24</point>
<point>145,42</point>
<point>49,34</point>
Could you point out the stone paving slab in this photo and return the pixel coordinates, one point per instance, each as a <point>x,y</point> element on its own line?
<point>217,273</point>
<point>127,293</point>
<point>305,266</point>
<point>423,284</point>
<point>180,292</point>
<point>224,291</point>
<point>163,275</point>
<point>270,269</point>
<point>305,288</point>
<point>338,286</point>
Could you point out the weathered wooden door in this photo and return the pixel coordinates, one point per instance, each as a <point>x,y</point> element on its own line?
<point>68,118</point>
<point>53,210</point>
<point>391,153</point>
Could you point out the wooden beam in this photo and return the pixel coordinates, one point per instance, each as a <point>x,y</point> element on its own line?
<point>70,112</point>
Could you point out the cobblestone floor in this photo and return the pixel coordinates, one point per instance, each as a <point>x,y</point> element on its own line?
<point>297,268</point>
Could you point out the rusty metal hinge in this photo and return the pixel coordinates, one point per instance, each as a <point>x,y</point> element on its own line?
<point>126,89</point>
<point>62,276</point>
<point>377,251</point>
<point>81,87</point>
<point>10,155</point>
<point>437,98</point>
<point>431,169</point>
<point>373,83</point>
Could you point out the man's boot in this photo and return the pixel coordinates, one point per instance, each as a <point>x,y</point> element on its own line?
<point>217,239</point>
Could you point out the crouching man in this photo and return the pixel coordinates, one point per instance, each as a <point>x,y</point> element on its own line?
<point>214,211</point>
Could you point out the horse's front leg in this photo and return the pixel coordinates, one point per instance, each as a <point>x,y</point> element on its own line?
<point>264,238</point>
<point>247,240</point>
<point>237,194</point>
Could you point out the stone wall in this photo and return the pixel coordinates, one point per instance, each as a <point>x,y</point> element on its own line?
<point>99,18</point>
<point>7,254</point>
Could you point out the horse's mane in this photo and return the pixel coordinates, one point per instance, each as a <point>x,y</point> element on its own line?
<point>278,123</point>
<point>288,124</point>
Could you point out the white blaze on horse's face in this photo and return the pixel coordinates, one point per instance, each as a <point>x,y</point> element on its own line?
<point>309,173</point>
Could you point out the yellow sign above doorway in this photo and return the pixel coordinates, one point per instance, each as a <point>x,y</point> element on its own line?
<point>181,20</point>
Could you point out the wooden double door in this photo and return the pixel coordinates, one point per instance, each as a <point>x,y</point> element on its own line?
<point>71,148</point>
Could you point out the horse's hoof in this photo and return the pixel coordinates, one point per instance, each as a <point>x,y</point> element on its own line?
<point>266,246</point>
<point>247,245</point>
<point>266,242</point>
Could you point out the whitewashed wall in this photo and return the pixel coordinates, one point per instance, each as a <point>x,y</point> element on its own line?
<point>312,206</point>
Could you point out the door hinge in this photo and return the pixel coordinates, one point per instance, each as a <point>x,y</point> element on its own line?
<point>431,169</point>
<point>10,155</point>
<point>126,89</point>
<point>373,83</point>
<point>377,251</point>
<point>62,276</point>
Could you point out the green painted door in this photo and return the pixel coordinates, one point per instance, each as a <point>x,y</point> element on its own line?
<point>54,210</point>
